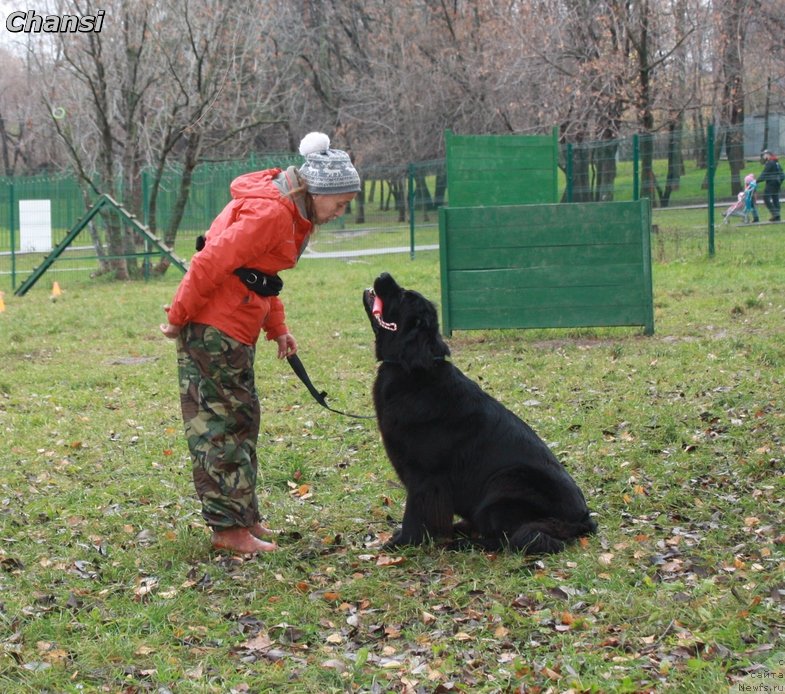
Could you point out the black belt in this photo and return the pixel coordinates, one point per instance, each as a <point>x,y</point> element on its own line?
<point>260,282</point>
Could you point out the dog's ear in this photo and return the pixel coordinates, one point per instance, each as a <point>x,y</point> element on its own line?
<point>420,342</point>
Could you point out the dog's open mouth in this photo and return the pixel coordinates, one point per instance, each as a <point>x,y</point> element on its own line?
<point>375,307</point>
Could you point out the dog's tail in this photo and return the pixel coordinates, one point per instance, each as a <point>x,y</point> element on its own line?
<point>550,535</point>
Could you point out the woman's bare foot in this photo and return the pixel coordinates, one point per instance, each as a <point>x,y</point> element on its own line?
<point>240,540</point>
<point>261,531</point>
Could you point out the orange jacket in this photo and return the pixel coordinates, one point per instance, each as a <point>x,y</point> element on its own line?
<point>259,229</point>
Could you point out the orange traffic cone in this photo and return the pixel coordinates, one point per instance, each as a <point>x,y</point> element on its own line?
<point>2,303</point>
<point>56,292</point>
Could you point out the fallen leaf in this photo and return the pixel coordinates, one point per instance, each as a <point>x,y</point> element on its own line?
<point>392,632</point>
<point>196,673</point>
<point>384,560</point>
<point>260,642</point>
<point>334,664</point>
<point>145,586</point>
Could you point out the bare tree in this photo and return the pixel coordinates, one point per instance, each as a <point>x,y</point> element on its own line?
<point>162,84</point>
<point>733,20</point>
<point>27,144</point>
<point>93,86</point>
<point>226,81</point>
<point>764,61</point>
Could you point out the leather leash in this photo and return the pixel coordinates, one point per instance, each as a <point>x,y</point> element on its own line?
<point>319,396</point>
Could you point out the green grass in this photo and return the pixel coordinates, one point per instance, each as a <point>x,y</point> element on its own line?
<point>107,582</point>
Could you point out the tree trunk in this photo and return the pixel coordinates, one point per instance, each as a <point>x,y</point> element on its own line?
<point>733,33</point>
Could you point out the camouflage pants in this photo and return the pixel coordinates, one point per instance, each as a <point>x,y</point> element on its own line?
<point>221,414</point>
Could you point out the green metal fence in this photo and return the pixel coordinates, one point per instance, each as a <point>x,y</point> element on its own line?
<point>688,177</point>
<point>208,193</point>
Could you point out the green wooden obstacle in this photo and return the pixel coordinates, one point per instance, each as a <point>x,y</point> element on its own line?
<point>546,266</point>
<point>501,169</point>
<point>511,258</point>
<point>150,240</point>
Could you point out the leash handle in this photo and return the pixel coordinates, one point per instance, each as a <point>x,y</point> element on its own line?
<point>319,396</point>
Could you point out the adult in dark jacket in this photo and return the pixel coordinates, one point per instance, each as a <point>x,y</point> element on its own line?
<point>771,176</point>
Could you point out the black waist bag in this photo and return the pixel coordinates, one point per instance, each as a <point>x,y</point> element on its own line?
<point>256,280</point>
<point>259,282</point>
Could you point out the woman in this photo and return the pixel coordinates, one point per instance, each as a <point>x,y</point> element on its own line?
<point>227,297</point>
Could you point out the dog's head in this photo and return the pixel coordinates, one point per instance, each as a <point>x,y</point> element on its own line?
<point>405,325</point>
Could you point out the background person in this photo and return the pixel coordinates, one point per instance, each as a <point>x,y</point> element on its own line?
<point>772,177</point>
<point>218,313</point>
<point>750,200</point>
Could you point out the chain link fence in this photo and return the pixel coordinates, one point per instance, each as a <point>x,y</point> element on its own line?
<point>692,178</point>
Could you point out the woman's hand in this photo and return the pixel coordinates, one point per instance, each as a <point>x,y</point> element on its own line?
<point>171,331</point>
<point>287,345</point>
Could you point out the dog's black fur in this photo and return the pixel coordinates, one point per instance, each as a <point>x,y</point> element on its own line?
<point>457,450</point>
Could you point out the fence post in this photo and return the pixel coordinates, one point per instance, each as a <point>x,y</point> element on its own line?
<point>145,200</point>
<point>710,163</point>
<point>568,172</point>
<point>636,158</point>
<point>12,229</point>
<point>146,221</point>
<point>410,173</point>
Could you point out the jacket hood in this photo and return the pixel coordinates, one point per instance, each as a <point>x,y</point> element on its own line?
<point>257,184</point>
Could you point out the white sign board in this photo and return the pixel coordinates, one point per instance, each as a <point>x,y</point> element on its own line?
<point>35,226</point>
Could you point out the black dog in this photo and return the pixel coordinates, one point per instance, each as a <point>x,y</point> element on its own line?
<point>457,450</point>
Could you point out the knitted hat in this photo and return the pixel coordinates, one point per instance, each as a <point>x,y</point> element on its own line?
<point>327,171</point>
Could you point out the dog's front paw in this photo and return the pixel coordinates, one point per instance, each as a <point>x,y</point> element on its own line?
<point>399,539</point>
<point>394,541</point>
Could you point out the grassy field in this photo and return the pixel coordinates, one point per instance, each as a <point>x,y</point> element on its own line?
<point>108,583</point>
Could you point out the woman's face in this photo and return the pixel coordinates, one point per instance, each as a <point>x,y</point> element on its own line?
<point>329,207</point>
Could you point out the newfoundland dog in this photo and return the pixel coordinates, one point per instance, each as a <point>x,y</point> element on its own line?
<point>457,450</point>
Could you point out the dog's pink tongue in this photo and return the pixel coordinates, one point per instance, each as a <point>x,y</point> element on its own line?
<point>377,307</point>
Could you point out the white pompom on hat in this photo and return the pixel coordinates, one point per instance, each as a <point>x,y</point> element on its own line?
<point>327,171</point>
